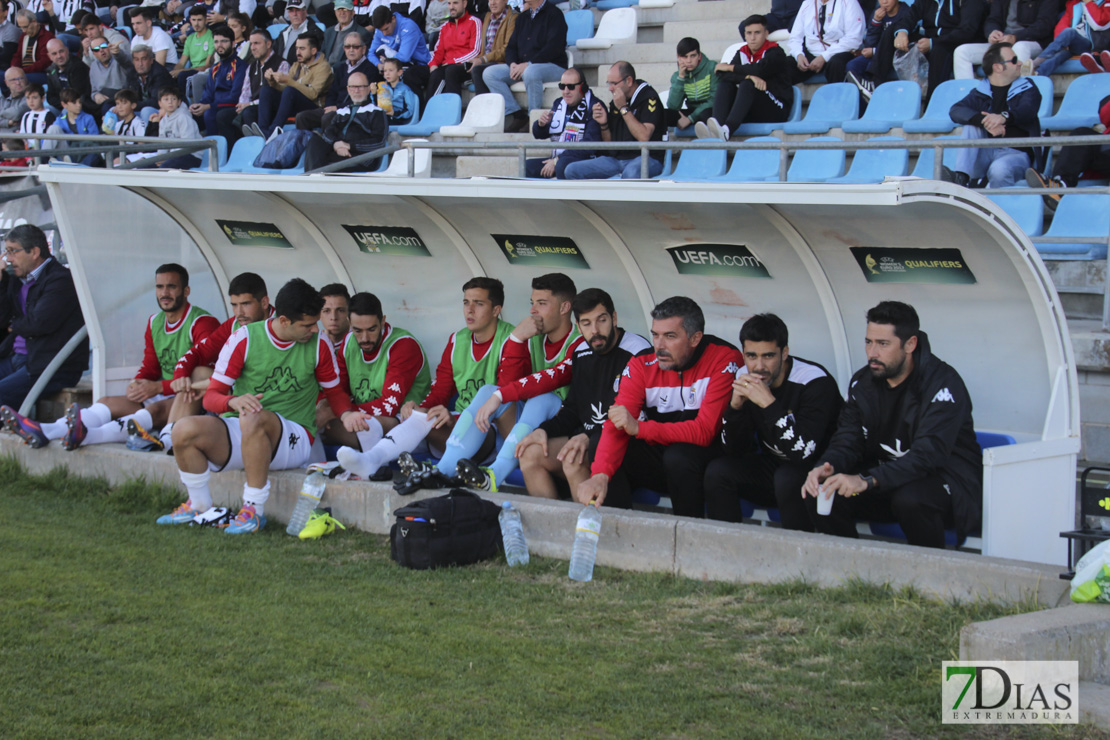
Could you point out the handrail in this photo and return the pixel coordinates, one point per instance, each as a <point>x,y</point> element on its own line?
<point>111,145</point>
<point>48,373</point>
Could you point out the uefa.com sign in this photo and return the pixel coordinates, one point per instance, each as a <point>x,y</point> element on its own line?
<point>1010,692</point>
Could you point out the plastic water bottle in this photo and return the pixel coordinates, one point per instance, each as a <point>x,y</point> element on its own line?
<point>311,493</point>
<point>512,534</point>
<point>586,534</point>
<point>109,125</point>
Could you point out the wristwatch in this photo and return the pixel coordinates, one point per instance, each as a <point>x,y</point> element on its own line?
<point>624,110</point>
<point>869,481</point>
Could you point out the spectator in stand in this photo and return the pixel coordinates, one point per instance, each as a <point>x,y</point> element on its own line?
<point>1083,27</point>
<point>9,35</point>
<point>39,306</point>
<point>1003,106</point>
<point>199,48</point>
<point>825,37</point>
<point>37,119</point>
<point>434,19</point>
<point>58,17</point>
<point>1075,161</point>
<point>150,78</point>
<point>779,20</point>
<point>172,121</point>
<point>693,86</point>
<point>335,38</point>
<point>497,29</point>
<point>304,87</point>
<point>636,114</point>
<point>73,122</point>
<point>224,87</point>
<point>14,104</point>
<point>875,62</point>
<point>354,50</point>
<point>402,102</point>
<point>67,71</point>
<point>536,53</point>
<point>264,63</point>
<point>285,45</point>
<point>110,72</point>
<point>31,52</point>
<point>937,28</point>
<point>241,26</point>
<point>754,86</point>
<point>14,145</point>
<point>152,37</point>
<point>90,27</point>
<point>128,122</point>
<point>357,128</point>
<point>460,42</point>
<point>398,37</point>
<point>1027,24</point>
<point>570,119</point>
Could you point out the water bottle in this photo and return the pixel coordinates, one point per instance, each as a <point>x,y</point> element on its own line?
<point>109,125</point>
<point>311,493</point>
<point>512,534</point>
<point>586,535</point>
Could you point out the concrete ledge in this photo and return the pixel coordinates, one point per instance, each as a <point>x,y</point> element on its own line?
<point>631,540</point>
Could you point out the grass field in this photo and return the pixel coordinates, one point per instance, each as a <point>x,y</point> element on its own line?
<point>113,627</point>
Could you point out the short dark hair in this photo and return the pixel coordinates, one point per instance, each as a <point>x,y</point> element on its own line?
<point>765,327</point>
<point>298,299</point>
<point>69,95</point>
<point>263,33</point>
<point>198,9</point>
<point>561,286</point>
<point>127,94</point>
<point>752,19</point>
<point>902,316</point>
<point>335,289</point>
<point>312,39</point>
<point>591,298</point>
<point>28,237</point>
<point>624,69</point>
<point>395,62</point>
<point>135,12</point>
<point>84,19</point>
<point>494,287</point>
<point>693,320</point>
<point>381,16</point>
<point>993,56</point>
<point>248,282</point>
<point>687,45</point>
<point>175,268</point>
<point>223,30</point>
<point>366,304</point>
<point>169,90</point>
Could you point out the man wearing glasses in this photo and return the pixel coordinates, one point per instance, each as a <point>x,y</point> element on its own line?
<point>336,37</point>
<point>355,60</point>
<point>356,128</point>
<point>110,72</point>
<point>39,308</point>
<point>1003,106</point>
<point>570,119</point>
<point>636,114</point>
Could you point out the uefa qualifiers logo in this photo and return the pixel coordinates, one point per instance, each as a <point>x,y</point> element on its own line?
<point>1026,692</point>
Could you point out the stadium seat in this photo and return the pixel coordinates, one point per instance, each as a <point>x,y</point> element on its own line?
<point>763,129</point>
<point>924,166</point>
<point>221,153</point>
<point>580,25</point>
<point>730,52</point>
<point>608,5</point>
<point>1044,84</point>
<point>276,28</point>
<point>1079,215</point>
<point>1080,104</point>
<point>243,154</point>
<point>892,104</point>
<point>936,120</point>
<point>873,165</point>
<point>754,165</point>
<point>399,164</point>
<point>617,26</point>
<point>1025,209</point>
<point>444,109</point>
<point>829,108</point>
<point>656,3</point>
<point>699,165</point>
<point>816,165</point>
<point>485,113</point>
<point>297,169</point>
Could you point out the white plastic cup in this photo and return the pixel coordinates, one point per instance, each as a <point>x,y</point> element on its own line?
<point>824,501</point>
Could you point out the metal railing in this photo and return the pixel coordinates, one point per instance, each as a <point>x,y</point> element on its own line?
<point>48,373</point>
<point>109,146</point>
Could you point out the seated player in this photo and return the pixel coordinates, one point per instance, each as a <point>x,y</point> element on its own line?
<point>334,317</point>
<point>264,389</point>
<point>169,333</point>
<point>476,356</point>
<point>563,446</point>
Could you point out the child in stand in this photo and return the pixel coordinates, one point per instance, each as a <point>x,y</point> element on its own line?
<point>14,145</point>
<point>127,123</point>
<point>75,122</point>
<point>403,103</point>
<point>36,120</point>
<point>172,122</point>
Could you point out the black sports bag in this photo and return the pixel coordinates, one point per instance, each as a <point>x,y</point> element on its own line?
<point>457,529</point>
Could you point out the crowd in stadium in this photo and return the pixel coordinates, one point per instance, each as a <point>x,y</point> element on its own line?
<point>588,410</point>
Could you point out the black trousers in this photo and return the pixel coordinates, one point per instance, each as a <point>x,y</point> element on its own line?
<point>835,69</point>
<point>533,167</point>
<point>476,71</point>
<point>453,76</point>
<point>764,480</point>
<point>677,470</point>
<point>923,508</point>
<point>940,65</point>
<point>1073,161</point>
<point>319,153</point>
<point>882,61</point>
<point>736,104</point>
<point>416,77</point>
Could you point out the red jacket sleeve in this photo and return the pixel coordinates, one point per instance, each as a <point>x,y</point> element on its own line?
<point>515,362</point>
<point>206,351</point>
<point>327,375</point>
<point>614,442</point>
<point>542,382</point>
<point>707,424</point>
<point>443,384</point>
<point>228,367</point>
<point>402,366</point>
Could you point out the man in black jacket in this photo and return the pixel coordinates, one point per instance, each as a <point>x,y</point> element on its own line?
<point>150,77</point>
<point>356,128</point>
<point>905,448</point>
<point>67,71</point>
<point>937,27</point>
<point>1027,24</point>
<point>38,305</point>
<point>780,418</point>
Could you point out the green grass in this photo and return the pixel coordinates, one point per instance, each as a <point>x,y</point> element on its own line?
<point>113,627</point>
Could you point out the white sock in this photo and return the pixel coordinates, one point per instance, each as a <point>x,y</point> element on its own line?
<point>96,415</point>
<point>369,438</point>
<point>402,438</point>
<point>196,484</point>
<point>166,436</point>
<point>113,431</point>
<point>256,497</point>
<point>54,429</point>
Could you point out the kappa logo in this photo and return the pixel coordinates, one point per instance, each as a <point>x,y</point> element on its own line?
<point>943,395</point>
<point>281,380</point>
<point>395,388</point>
<point>366,391</point>
<point>789,434</point>
<point>168,358</point>
<point>467,393</point>
<point>626,373</point>
<point>781,423</point>
<point>895,451</point>
<point>732,368</point>
<point>294,438</point>
<point>597,414</point>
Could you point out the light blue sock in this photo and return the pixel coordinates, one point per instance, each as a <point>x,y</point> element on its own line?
<point>466,438</point>
<point>536,411</point>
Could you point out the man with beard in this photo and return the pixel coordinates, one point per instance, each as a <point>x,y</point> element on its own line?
<point>263,61</point>
<point>563,446</point>
<point>169,333</point>
<point>905,448</point>
<point>223,88</point>
<point>570,119</point>
<point>782,413</point>
<point>460,42</point>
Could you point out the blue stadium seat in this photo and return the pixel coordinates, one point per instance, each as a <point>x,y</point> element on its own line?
<point>610,4</point>
<point>243,154</point>
<point>873,165</point>
<point>1079,214</point>
<point>936,120</point>
<point>221,152</point>
<point>1071,67</point>
<point>699,165</point>
<point>753,165</point>
<point>276,28</point>
<point>924,166</point>
<point>298,169</point>
<point>830,107</point>
<point>817,165</point>
<point>763,129</point>
<point>580,25</point>
<point>1080,104</point>
<point>1044,84</point>
<point>1025,209</point>
<point>892,104</point>
<point>444,109</point>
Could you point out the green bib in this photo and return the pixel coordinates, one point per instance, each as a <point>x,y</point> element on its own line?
<point>368,376</point>
<point>471,374</point>
<point>540,361</point>
<point>286,378</point>
<point>170,346</point>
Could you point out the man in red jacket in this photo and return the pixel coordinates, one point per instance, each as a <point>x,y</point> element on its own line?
<point>682,390</point>
<point>30,49</point>
<point>460,42</point>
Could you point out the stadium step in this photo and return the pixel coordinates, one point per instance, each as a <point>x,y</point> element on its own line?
<point>1081,285</point>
